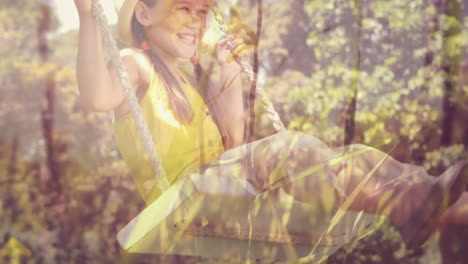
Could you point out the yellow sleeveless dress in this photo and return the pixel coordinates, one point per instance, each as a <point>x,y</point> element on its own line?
<point>183,149</point>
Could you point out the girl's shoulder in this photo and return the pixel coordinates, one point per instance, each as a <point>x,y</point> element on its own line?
<point>139,62</point>
<point>139,69</point>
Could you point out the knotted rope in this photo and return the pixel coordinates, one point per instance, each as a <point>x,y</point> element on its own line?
<point>111,49</point>
<point>247,69</point>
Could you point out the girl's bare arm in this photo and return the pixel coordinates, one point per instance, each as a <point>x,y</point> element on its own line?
<point>98,83</point>
<point>231,98</point>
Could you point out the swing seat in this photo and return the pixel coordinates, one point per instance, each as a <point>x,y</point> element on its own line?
<point>224,218</point>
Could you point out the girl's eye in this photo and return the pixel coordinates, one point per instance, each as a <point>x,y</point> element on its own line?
<point>185,9</point>
<point>203,12</point>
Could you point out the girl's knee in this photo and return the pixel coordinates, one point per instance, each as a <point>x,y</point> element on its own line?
<point>292,140</point>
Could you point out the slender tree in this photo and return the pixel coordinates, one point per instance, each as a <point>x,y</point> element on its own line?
<point>47,113</point>
<point>349,128</point>
<point>451,61</point>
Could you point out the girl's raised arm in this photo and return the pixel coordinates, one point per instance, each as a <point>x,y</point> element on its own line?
<point>98,83</point>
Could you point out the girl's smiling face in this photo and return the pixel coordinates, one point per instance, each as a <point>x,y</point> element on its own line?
<point>174,27</point>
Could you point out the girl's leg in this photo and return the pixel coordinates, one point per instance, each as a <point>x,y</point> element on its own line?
<point>411,196</point>
<point>375,182</point>
<point>314,173</point>
<point>325,178</point>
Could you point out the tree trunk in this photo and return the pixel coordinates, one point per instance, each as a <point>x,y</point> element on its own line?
<point>451,60</point>
<point>349,128</point>
<point>9,201</point>
<point>250,128</point>
<point>56,199</point>
<point>47,113</point>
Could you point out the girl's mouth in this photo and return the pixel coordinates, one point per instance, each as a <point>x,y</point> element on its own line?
<point>187,39</point>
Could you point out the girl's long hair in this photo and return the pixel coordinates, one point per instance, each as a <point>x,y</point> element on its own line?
<point>178,102</point>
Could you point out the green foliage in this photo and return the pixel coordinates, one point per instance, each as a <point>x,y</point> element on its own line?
<point>308,53</point>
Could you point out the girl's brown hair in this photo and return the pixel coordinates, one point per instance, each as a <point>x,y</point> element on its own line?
<point>178,102</point>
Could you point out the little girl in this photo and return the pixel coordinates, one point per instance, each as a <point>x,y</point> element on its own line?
<point>198,125</point>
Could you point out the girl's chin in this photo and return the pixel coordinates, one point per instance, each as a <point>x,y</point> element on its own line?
<point>187,51</point>
<point>187,54</point>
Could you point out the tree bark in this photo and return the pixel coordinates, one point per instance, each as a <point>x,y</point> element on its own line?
<point>451,61</point>
<point>47,113</point>
<point>350,125</point>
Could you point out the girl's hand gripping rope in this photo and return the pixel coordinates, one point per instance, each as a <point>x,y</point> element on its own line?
<point>230,49</point>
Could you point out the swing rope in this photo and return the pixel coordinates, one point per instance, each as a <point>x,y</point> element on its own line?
<point>112,51</point>
<point>247,69</point>
<point>149,145</point>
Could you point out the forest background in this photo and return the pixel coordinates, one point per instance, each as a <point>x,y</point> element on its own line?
<point>346,71</point>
